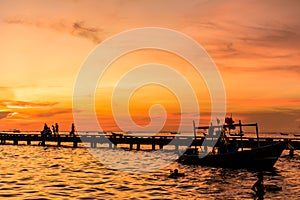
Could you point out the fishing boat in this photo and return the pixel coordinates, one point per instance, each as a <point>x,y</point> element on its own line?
<point>229,154</point>
<point>16,131</point>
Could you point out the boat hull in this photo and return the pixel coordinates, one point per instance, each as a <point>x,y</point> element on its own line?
<point>258,158</point>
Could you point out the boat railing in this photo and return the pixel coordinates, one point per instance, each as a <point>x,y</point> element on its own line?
<point>211,129</point>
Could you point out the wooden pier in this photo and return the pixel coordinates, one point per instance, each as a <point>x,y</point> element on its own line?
<point>132,142</point>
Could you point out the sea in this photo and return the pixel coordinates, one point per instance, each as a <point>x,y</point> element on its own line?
<point>36,172</point>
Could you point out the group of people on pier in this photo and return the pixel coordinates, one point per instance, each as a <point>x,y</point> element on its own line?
<point>55,130</point>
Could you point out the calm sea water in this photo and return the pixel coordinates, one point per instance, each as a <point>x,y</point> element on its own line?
<point>34,172</point>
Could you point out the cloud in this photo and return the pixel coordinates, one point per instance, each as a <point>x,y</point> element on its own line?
<point>75,28</point>
<point>279,35</point>
<point>255,41</point>
<point>247,30</point>
<point>19,110</point>
<point>53,112</point>
<point>292,69</point>
<point>24,104</point>
<point>79,29</point>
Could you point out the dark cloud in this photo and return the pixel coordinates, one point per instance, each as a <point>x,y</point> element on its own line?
<point>79,29</point>
<point>4,114</point>
<point>76,28</point>
<point>270,35</point>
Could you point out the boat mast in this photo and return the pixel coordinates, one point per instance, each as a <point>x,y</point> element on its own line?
<point>194,132</point>
<point>256,126</point>
<point>241,134</point>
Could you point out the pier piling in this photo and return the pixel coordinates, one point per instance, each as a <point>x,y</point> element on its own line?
<point>75,144</point>
<point>153,147</point>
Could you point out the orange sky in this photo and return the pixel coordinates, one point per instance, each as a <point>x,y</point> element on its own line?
<point>255,45</point>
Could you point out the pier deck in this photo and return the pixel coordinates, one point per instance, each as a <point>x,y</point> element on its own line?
<point>133,142</point>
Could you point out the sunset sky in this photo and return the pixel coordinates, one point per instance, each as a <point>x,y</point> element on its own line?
<point>255,45</point>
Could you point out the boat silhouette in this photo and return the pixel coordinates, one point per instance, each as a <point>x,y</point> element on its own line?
<point>228,154</point>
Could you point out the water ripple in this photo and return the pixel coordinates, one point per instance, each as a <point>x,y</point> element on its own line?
<point>30,172</point>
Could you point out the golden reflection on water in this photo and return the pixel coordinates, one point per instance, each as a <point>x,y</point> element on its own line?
<point>33,172</point>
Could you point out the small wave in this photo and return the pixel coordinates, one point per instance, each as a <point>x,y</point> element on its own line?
<point>55,166</point>
<point>9,195</point>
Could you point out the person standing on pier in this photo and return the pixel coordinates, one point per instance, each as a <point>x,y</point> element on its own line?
<point>72,133</point>
<point>44,132</point>
<point>53,130</point>
<point>56,128</point>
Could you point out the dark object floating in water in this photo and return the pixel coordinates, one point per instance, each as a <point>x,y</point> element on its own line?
<point>175,174</point>
<point>273,188</point>
<point>230,154</point>
<point>284,134</point>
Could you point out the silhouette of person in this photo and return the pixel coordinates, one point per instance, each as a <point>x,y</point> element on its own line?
<point>45,126</point>
<point>259,187</point>
<point>53,130</point>
<point>49,132</point>
<point>56,128</point>
<point>44,132</point>
<point>72,130</point>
